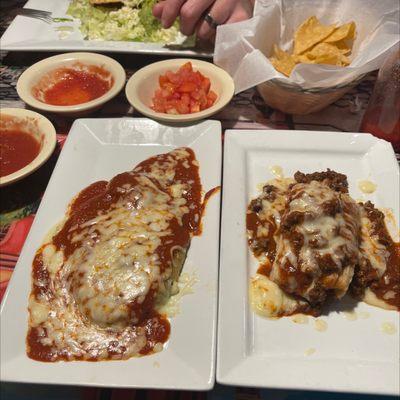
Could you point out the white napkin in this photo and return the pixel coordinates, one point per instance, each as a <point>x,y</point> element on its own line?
<point>243,48</point>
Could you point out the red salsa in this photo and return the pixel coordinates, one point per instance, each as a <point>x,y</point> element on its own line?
<point>73,86</point>
<point>17,150</point>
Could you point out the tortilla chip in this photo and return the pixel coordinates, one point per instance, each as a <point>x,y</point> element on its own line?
<point>343,46</point>
<point>282,61</point>
<point>344,32</point>
<point>327,53</point>
<point>302,58</point>
<point>315,43</point>
<point>310,33</point>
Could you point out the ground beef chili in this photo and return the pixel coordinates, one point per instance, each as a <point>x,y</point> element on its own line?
<point>334,180</point>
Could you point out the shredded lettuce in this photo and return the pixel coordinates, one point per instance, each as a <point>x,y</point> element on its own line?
<point>131,22</point>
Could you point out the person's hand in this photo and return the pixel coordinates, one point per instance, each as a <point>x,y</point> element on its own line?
<point>191,14</point>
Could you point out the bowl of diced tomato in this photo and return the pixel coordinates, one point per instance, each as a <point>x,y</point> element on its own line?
<point>180,90</point>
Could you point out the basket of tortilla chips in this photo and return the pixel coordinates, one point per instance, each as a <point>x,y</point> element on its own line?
<point>303,55</point>
<point>313,43</point>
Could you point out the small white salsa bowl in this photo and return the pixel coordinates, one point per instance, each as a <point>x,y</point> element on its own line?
<point>34,124</point>
<point>45,69</point>
<point>142,85</point>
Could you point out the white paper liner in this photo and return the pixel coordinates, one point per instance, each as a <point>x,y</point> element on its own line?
<point>243,48</point>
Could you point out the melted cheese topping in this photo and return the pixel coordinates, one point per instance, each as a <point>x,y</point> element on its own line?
<point>277,171</point>
<point>364,314</point>
<point>186,284</point>
<point>367,187</point>
<point>101,282</point>
<point>320,325</point>
<point>310,351</point>
<point>370,247</point>
<point>350,315</point>
<point>300,319</point>
<point>118,262</point>
<point>269,300</point>
<point>371,298</point>
<point>388,328</point>
<point>333,235</point>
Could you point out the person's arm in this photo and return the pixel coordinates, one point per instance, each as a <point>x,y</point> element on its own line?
<point>191,14</point>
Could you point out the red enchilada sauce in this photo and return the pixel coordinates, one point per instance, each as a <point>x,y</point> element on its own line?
<point>390,280</point>
<point>74,86</point>
<point>97,199</point>
<point>17,150</point>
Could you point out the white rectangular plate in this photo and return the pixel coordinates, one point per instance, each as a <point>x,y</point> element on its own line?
<point>98,149</point>
<point>28,34</point>
<point>350,356</point>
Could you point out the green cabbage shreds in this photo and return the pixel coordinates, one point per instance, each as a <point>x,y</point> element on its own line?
<point>133,21</point>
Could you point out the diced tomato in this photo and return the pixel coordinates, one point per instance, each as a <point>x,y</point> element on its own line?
<point>186,67</point>
<point>169,86</point>
<point>165,93</point>
<point>194,106</point>
<point>206,84</point>
<point>212,96</point>
<point>187,87</point>
<point>197,77</point>
<point>172,78</point>
<point>183,108</point>
<point>158,108</point>
<point>185,98</point>
<point>203,103</point>
<point>195,94</point>
<point>170,108</point>
<point>183,92</point>
<point>162,80</point>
